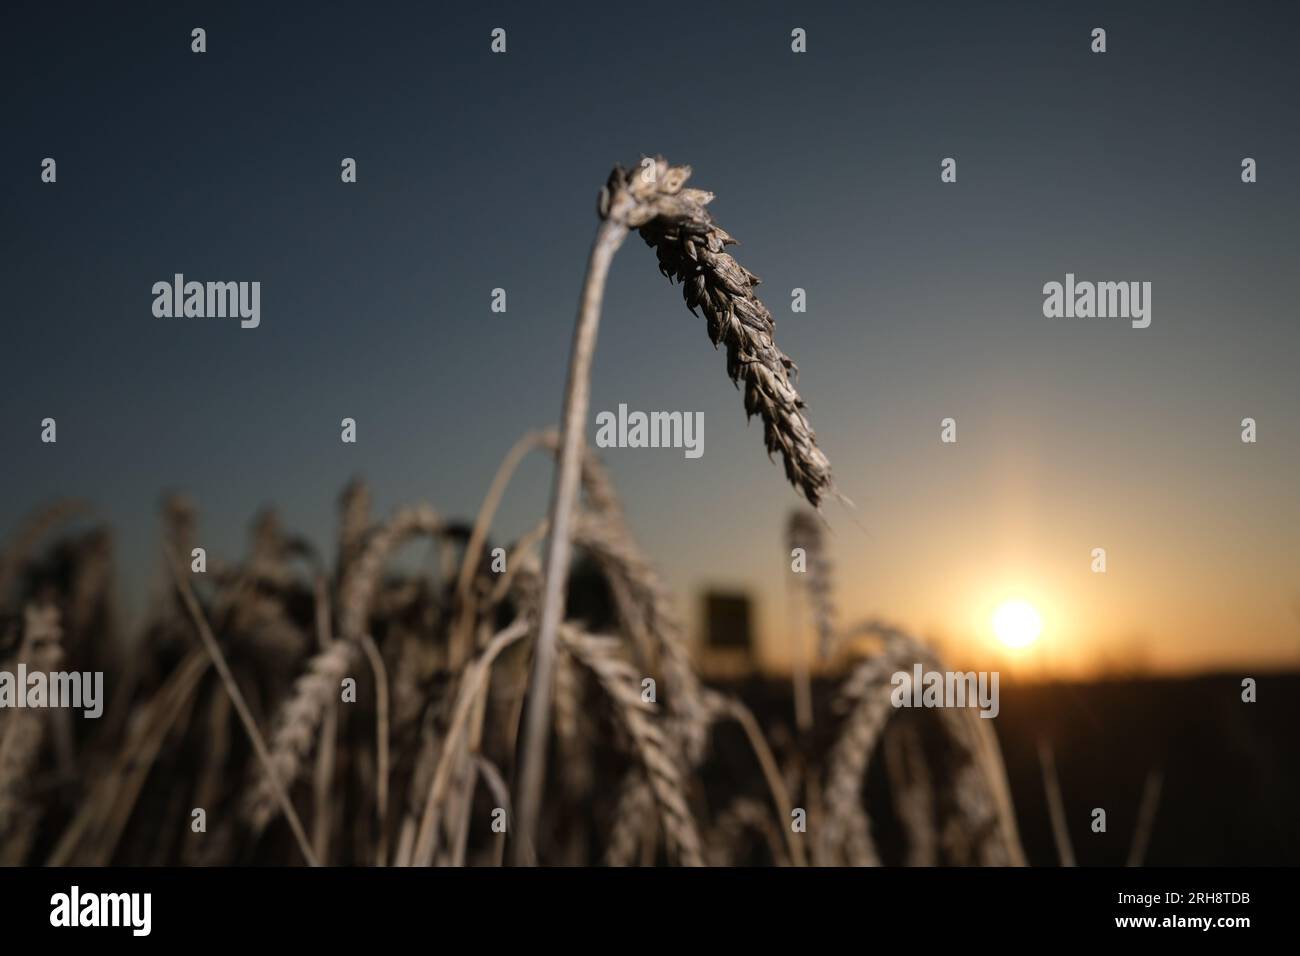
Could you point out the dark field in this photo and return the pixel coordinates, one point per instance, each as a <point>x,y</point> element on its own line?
<point>1230,785</point>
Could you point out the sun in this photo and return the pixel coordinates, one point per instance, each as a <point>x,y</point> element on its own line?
<point>1017,624</point>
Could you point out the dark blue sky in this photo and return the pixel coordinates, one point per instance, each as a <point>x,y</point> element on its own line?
<point>478,171</point>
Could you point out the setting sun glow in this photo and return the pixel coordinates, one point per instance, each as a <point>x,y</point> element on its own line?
<point>1017,624</point>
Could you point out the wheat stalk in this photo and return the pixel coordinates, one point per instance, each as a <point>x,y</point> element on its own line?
<point>362,579</point>
<point>380,674</point>
<point>575,767</point>
<point>301,715</point>
<point>985,823</point>
<point>986,774</point>
<point>212,779</point>
<point>911,788</point>
<point>354,521</point>
<point>532,765</point>
<point>865,690</point>
<point>691,709</point>
<point>278,789</point>
<point>805,530</point>
<point>645,606</point>
<point>690,248</point>
<point>496,785</point>
<point>472,682</point>
<point>172,721</point>
<point>730,707</point>
<point>119,786</point>
<point>20,744</point>
<point>662,765</point>
<point>1055,805</point>
<point>1146,817</point>
<point>322,818</point>
<point>600,495</point>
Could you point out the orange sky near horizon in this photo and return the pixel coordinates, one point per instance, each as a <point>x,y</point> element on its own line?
<point>1197,580</point>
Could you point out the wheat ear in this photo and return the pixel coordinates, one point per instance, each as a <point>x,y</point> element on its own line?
<point>362,579</point>
<point>20,744</point>
<point>297,727</point>
<point>912,790</point>
<point>865,692</point>
<point>635,801</point>
<point>354,521</point>
<point>691,250</point>
<point>300,717</point>
<point>662,765</point>
<point>805,530</point>
<point>985,824</point>
<point>646,608</point>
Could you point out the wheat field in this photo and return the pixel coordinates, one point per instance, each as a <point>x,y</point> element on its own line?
<point>313,704</point>
<point>233,699</point>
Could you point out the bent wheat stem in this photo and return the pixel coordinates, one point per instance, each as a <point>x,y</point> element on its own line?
<point>691,250</point>
<point>613,230</point>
